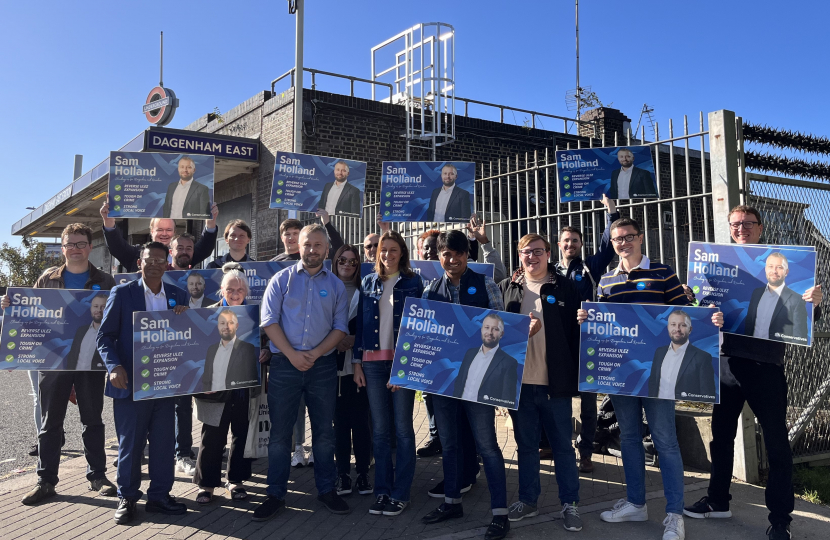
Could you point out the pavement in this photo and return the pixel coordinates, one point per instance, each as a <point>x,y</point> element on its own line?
<point>80,514</point>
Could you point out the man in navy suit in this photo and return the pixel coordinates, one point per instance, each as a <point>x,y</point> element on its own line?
<point>629,181</point>
<point>494,372</point>
<point>449,202</point>
<point>187,198</point>
<point>136,421</point>
<point>776,311</point>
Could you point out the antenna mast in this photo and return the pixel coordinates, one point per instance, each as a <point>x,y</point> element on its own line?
<point>161,62</point>
<point>578,88</point>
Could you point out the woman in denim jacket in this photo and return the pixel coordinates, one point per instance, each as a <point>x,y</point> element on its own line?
<point>382,297</point>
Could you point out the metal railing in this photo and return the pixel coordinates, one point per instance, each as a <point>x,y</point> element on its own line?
<point>533,115</point>
<point>315,72</point>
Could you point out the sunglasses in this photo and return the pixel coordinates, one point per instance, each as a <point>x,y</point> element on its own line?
<point>367,247</point>
<point>347,262</point>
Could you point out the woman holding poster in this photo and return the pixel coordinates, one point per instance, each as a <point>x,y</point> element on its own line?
<point>382,297</point>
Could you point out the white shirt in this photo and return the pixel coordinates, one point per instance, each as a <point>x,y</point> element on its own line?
<point>220,365</point>
<point>645,264</point>
<point>670,369</point>
<point>334,196</point>
<point>155,302</point>
<point>88,348</point>
<point>386,309</point>
<point>477,371</point>
<point>195,302</point>
<point>623,183</point>
<point>441,203</point>
<point>179,196</point>
<point>763,314</point>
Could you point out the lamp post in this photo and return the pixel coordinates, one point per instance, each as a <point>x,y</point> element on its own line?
<point>297,7</point>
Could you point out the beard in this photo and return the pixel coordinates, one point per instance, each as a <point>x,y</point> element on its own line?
<point>775,282</point>
<point>183,261</point>
<point>312,261</point>
<point>98,318</point>
<point>227,335</point>
<point>679,340</point>
<point>489,342</point>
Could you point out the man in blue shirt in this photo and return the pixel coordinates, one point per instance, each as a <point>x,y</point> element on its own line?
<point>304,312</point>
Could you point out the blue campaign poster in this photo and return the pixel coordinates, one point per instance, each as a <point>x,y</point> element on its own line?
<point>431,270</point>
<point>667,352</point>
<point>52,329</point>
<point>156,185</point>
<point>305,182</point>
<point>439,342</point>
<point>199,350</point>
<point>432,191</point>
<point>621,172</point>
<point>758,288</point>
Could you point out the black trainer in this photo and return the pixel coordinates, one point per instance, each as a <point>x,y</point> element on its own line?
<point>363,486</point>
<point>377,508</point>
<point>343,484</point>
<point>444,512</point>
<point>268,508</point>
<point>438,491</point>
<point>394,508</point>
<point>33,451</point>
<point>704,508</point>
<point>498,528</point>
<point>334,502</point>
<point>781,531</point>
<point>167,506</point>
<point>431,448</point>
<point>125,512</point>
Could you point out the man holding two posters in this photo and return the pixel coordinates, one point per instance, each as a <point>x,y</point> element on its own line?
<point>753,372</point>
<point>56,386</point>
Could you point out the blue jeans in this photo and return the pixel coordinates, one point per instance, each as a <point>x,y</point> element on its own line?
<point>318,385</point>
<point>184,426</point>
<point>660,416</point>
<point>482,419</point>
<point>537,411</point>
<point>387,407</point>
<point>33,378</point>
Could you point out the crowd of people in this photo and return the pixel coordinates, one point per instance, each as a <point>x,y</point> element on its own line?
<point>328,344</point>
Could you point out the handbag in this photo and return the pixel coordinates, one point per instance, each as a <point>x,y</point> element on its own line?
<point>259,423</point>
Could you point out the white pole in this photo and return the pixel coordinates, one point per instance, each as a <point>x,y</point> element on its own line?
<point>298,80</point>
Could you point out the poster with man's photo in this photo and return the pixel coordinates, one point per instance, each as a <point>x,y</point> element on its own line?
<point>159,185</point>
<point>52,329</point>
<point>621,172</point>
<point>645,350</point>
<point>759,288</point>
<point>201,286</point>
<point>462,352</point>
<point>309,183</point>
<point>199,350</point>
<point>431,191</point>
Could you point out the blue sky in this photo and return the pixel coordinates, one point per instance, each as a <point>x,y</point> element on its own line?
<point>76,74</point>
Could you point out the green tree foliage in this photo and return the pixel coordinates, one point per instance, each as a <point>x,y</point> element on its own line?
<point>21,266</point>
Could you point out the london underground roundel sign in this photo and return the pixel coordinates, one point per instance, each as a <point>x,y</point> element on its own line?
<point>160,106</point>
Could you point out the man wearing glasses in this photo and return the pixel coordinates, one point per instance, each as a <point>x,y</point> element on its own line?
<point>138,421</point>
<point>752,371</point>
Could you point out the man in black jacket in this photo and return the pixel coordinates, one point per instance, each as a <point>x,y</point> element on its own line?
<point>89,361</point>
<point>340,198</point>
<point>494,372</point>
<point>449,203</point>
<point>550,377</point>
<point>783,313</point>
<point>187,198</point>
<point>231,363</point>
<point>630,182</point>
<point>680,370</point>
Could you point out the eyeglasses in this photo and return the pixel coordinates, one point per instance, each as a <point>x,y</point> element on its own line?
<point>538,252</point>
<point>73,245</point>
<point>347,262</point>
<point>367,247</point>
<point>624,239</point>
<point>748,225</point>
<point>234,237</point>
<point>152,261</point>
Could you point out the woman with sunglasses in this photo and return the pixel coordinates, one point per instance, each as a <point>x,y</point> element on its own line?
<point>382,297</point>
<point>219,411</point>
<point>351,420</point>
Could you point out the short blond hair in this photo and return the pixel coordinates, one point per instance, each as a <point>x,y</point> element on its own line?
<point>532,237</point>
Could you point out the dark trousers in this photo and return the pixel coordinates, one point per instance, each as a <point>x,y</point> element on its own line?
<point>351,427</point>
<point>433,428</point>
<point>764,387</point>
<point>209,461</point>
<point>54,389</point>
<point>184,426</point>
<point>588,418</point>
<point>136,422</point>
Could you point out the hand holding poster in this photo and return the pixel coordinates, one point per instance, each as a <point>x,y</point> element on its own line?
<point>156,185</point>
<point>200,350</point>
<point>53,329</point>
<point>308,183</point>
<point>759,288</point>
<point>438,342</point>
<point>435,191</point>
<point>666,352</point>
<point>619,172</point>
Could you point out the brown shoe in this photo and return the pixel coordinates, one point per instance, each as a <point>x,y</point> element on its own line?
<point>586,465</point>
<point>43,490</point>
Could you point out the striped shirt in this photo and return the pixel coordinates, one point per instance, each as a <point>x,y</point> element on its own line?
<point>647,283</point>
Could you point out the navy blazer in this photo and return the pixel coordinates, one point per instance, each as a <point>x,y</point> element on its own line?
<point>115,336</point>
<point>641,184</point>
<point>196,203</point>
<point>696,375</point>
<point>500,382</point>
<point>458,207</point>
<point>789,317</point>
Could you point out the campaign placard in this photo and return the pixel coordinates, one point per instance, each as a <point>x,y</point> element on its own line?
<point>621,172</point>
<point>431,270</point>
<point>199,350</point>
<point>432,191</point>
<point>438,343</point>
<point>759,288</point>
<point>305,182</point>
<point>157,185</point>
<point>645,350</point>
<point>52,329</point>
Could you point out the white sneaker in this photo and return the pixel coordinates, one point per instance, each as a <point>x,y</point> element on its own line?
<point>625,511</point>
<point>675,529</point>
<point>298,459</point>
<point>186,466</point>
<point>310,459</point>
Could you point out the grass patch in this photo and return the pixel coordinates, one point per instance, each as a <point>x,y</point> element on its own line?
<point>812,484</point>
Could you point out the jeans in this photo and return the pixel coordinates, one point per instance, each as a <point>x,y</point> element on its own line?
<point>482,420</point>
<point>351,427</point>
<point>537,411</point>
<point>184,426</point>
<point>299,425</point>
<point>588,418</point>
<point>764,387</point>
<point>214,438</point>
<point>286,385</point>
<point>38,415</point>
<point>660,416</point>
<point>433,429</point>
<point>55,387</point>
<point>391,408</point>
